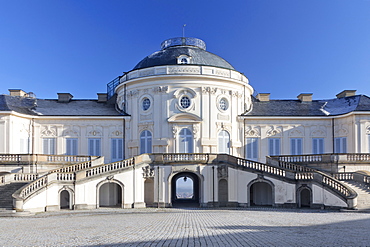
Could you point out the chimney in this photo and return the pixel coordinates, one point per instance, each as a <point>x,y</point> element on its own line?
<point>18,92</point>
<point>263,96</point>
<point>64,97</point>
<point>102,97</point>
<point>346,93</point>
<point>305,97</point>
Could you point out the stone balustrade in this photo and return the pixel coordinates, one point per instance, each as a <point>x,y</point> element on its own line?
<point>304,176</point>
<point>261,167</point>
<point>300,158</point>
<point>306,173</point>
<point>42,158</point>
<point>344,176</point>
<point>101,169</point>
<point>358,157</point>
<point>36,185</point>
<point>18,177</point>
<point>169,158</point>
<point>70,176</point>
<point>75,167</point>
<point>182,69</point>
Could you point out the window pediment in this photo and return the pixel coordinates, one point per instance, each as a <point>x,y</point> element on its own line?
<point>184,118</point>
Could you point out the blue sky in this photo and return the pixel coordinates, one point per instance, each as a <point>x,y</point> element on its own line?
<point>284,47</point>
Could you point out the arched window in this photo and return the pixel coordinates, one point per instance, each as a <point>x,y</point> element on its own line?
<point>185,141</point>
<point>224,142</point>
<point>145,142</point>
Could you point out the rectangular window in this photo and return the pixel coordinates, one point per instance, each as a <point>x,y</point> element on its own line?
<point>296,146</point>
<point>251,148</point>
<point>94,147</point>
<point>117,149</point>
<point>71,146</point>
<point>274,146</point>
<point>48,145</point>
<point>340,145</point>
<point>317,145</point>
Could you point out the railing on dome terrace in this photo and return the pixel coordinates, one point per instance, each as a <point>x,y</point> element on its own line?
<point>111,86</point>
<point>305,173</point>
<point>183,157</point>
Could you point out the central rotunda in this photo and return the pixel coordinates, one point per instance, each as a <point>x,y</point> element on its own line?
<point>183,99</point>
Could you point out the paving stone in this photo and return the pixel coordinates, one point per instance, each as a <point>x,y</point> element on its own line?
<point>188,227</point>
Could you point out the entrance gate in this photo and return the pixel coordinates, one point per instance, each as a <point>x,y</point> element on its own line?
<point>185,190</point>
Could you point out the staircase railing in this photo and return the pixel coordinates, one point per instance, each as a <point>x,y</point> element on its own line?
<point>354,176</point>
<point>56,174</point>
<point>18,178</point>
<point>306,173</point>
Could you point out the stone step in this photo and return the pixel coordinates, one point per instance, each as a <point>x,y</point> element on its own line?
<point>363,199</point>
<point>6,192</point>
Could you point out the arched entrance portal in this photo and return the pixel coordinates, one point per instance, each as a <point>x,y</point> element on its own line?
<point>305,198</point>
<point>65,200</point>
<point>185,190</point>
<point>261,194</point>
<point>110,195</point>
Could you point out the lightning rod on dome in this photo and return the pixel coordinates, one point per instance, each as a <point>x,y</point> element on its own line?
<point>183,30</point>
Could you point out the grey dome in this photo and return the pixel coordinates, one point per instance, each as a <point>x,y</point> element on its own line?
<point>192,47</point>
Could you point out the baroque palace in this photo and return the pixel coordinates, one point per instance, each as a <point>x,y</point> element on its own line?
<point>183,115</point>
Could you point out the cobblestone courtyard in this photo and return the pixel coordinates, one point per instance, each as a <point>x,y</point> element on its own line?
<point>188,227</point>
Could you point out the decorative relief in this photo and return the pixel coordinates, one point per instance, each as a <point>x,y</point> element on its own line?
<point>222,171</point>
<point>252,131</point>
<point>180,70</point>
<point>50,131</point>
<point>223,117</point>
<point>274,131</point>
<point>210,90</point>
<point>145,126</point>
<point>162,89</point>
<point>116,133</point>
<point>368,130</point>
<point>147,72</point>
<point>174,130</point>
<point>223,126</point>
<point>220,72</point>
<point>342,131</point>
<point>148,172</point>
<point>195,130</point>
<point>146,117</point>
<point>94,131</point>
<point>133,93</point>
<point>319,131</point>
<point>72,131</point>
<point>296,132</point>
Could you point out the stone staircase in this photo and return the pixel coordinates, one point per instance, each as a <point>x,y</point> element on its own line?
<point>6,191</point>
<point>363,191</point>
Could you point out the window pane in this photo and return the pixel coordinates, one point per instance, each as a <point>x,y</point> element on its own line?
<point>252,148</point>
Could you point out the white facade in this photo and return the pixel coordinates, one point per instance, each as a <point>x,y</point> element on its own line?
<point>183,100</point>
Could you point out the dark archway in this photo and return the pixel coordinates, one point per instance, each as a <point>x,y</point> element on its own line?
<point>185,190</point>
<point>261,194</point>
<point>305,198</point>
<point>65,200</point>
<point>110,195</point>
<point>223,195</point>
